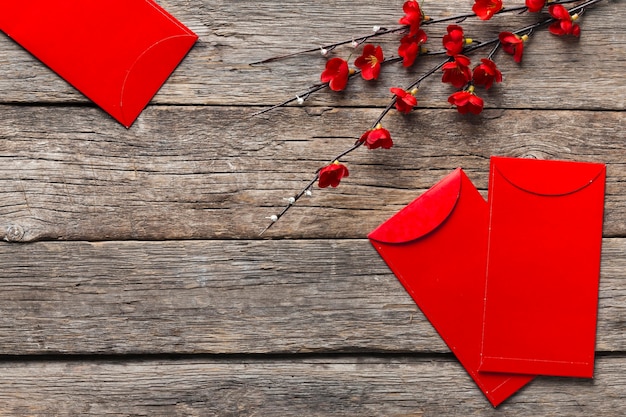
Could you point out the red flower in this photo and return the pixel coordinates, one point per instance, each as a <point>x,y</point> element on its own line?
<point>410,47</point>
<point>466,101</point>
<point>405,100</point>
<point>332,174</point>
<point>457,72</point>
<point>486,73</point>
<point>485,9</point>
<point>513,44</point>
<point>377,137</point>
<point>535,5</point>
<point>565,24</point>
<point>455,40</point>
<point>369,61</point>
<point>412,16</point>
<point>336,74</point>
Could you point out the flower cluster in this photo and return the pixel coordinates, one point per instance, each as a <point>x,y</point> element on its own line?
<point>457,69</point>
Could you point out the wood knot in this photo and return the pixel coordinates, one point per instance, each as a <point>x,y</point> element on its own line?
<point>15,233</point>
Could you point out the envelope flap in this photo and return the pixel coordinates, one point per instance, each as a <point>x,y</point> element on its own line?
<point>424,214</point>
<point>149,72</point>
<point>556,178</point>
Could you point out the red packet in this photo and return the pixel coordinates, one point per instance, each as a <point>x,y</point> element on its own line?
<point>118,53</point>
<point>543,266</point>
<point>437,248</point>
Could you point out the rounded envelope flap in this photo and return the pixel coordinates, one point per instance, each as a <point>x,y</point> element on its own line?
<point>547,177</point>
<point>149,72</point>
<point>422,215</point>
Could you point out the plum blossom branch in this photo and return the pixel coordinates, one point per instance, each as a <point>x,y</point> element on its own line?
<point>379,31</point>
<point>455,69</point>
<point>301,97</point>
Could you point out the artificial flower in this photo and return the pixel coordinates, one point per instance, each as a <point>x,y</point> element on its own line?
<point>332,174</point>
<point>369,61</point>
<point>565,24</point>
<point>466,101</point>
<point>485,9</point>
<point>410,47</point>
<point>486,73</point>
<point>405,100</point>
<point>378,137</point>
<point>455,40</point>
<point>513,44</point>
<point>336,74</point>
<point>457,72</point>
<point>412,16</point>
<point>535,5</point>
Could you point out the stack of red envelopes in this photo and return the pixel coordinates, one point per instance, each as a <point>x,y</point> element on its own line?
<point>116,52</point>
<point>510,284</point>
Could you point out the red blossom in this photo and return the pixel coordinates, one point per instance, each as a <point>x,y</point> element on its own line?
<point>369,61</point>
<point>513,44</point>
<point>485,9</point>
<point>412,16</point>
<point>457,72</point>
<point>332,174</point>
<point>336,74</point>
<point>455,40</point>
<point>410,47</point>
<point>565,24</point>
<point>535,5</point>
<point>377,137</point>
<point>486,73</point>
<point>405,100</point>
<point>466,101</point>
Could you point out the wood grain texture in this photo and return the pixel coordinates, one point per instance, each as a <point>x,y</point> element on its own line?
<point>342,386</point>
<point>277,296</point>
<point>213,173</point>
<point>145,289</point>
<point>556,73</point>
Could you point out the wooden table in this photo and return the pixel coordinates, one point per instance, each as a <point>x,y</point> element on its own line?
<point>133,278</point>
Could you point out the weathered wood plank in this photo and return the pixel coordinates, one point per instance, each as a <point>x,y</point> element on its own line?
<point>344,386</point>
<point>283,296</point>
<point>197,172</point>
<point>557,73</point>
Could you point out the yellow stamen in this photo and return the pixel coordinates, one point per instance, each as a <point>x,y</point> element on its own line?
<point>468,41</point>
<point>525,38</point>
<point>351,71</point>
<point>575,16</point>
<point>372,60</point>
<point>471,89</point>
<point>379,126</point>
<point>413,91</point>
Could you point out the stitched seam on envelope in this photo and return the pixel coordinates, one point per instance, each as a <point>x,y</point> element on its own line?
<point>536,360</point>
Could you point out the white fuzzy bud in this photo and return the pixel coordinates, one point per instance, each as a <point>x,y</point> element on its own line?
<point>376,28</point>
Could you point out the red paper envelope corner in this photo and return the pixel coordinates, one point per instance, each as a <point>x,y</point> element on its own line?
<point>118,53</point>
<point>436,246</point>
<point>543,266</point>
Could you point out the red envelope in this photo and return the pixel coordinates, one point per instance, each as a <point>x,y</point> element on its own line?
<point>543,266</point>
<point>437,248</point>
<point>118,53</point>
